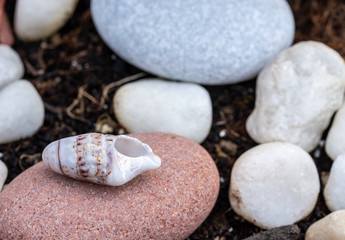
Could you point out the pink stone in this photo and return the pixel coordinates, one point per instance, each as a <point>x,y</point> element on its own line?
<point>167,203</point>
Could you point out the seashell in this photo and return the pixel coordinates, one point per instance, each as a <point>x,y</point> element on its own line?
<point>99,158</point>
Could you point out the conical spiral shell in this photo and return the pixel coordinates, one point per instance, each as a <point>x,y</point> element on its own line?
<point>98,158</point>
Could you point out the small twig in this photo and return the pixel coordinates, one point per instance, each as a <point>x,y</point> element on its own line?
<point>32,70</point>
<point>80,101</point>
<point>75,103</point>
<point>40,58</point>
<point>30,157</point>
<point>91,98</point>
<point>56,110</point>
<point>112,85</point>
<point>78,55</point>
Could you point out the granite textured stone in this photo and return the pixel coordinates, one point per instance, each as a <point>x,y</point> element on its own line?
<point>21,111</point>
<point>11,66</point>
<point>290,232</point>
<point>297,94</point>
<point>167,203</point>
<point>209,42</point>
<point>153,105</point>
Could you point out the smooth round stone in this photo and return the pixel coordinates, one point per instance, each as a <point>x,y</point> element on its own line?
<point>208,42</point>
<point>335,141</point>
<point>167,203</point>
<point>335,187</point>
<point>11,66</point>
<point>21,111</point>
<point>3,174</point>
<point>153,105</point>
<point>297,94</point>
<point>37,19</point>
<point>330,227</point>
<point>274,184</point>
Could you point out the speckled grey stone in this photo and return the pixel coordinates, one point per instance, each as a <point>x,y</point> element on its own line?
<point>209,42</point>
<point>168,203</point>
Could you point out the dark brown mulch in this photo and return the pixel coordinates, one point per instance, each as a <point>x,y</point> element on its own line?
<point>74,71</point>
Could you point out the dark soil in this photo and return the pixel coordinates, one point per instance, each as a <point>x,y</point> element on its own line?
<point>74,72</point>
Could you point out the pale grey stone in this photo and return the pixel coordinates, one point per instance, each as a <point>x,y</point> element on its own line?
<point>209,42</point>
<point>153,105</point>
<point>274,184</point>
<point>21,111</point>
<point>11,66</point>
<point>297,94</point>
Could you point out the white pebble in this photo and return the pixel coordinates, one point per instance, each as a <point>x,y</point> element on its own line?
<point>154,105</point>
<point>11,66</point>
<point>335,141</point>
<point>297,95</point>
<point>222,133</point>
<point>330,227</point>
<point>274,184</point>
<point>3,174</point>
<point>22,111</point>
<point>335,187</point>
<point>37,19</point>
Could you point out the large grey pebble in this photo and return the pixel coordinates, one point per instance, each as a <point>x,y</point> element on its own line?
<point>37,19</point>
<point>153,105</point>
<point>297,94</point>
<point>209,42</point>
<point>21,111</point>
<point>330,227</point>
<point>11,66</point>
<point>274,184</point>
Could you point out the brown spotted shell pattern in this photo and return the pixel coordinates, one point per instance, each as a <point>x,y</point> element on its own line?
<point>98,158</point>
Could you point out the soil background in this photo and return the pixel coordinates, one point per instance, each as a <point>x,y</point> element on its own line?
<point>76,75</point>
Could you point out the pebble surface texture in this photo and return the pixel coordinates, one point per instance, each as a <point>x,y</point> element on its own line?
<point>297,94</point>
<point>11,66</point>
<point>3,174</point>
<point>153,105</point>
<point>335,187</point>
<point>37,19</point>
<point>330,227</point>
<point>22,111</point>
<point>209,42</point>
<point>335,141</point>
<point>274,184</point>
<point>167,203</point>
